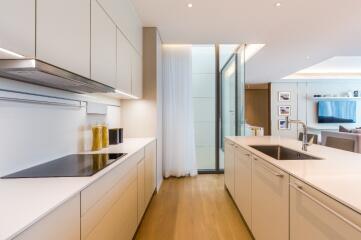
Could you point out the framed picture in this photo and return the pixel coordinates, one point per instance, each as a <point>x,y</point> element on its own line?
<point>284,96</point>
<point>282,125</point>
<point>284,110</point>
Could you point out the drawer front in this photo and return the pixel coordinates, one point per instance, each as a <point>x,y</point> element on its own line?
<point>96,213</point>
<point>314,215</point>
<point>62,223</point>
<point>92,194</point>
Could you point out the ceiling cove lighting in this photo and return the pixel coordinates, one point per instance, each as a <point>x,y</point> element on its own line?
<point>126,94</point>
<point>252,49</point>
<point>189,5</point>
<point>7,52</point>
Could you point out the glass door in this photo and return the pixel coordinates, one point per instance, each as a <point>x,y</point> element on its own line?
<point>228,99</point>
<point>232,97</point>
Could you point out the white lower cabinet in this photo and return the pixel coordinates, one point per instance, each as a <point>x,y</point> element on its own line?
<point>62,223</point>
<point>141,188</point>
<point>315,216</point>
<point>229,169</point>
<point>270,201</point>
<point>150,162</point>
<point>243,184</point>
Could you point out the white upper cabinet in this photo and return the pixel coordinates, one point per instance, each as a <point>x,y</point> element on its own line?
<point>17,27</point>
<point>124,15</point>
<point>103,46</point>
<point>124,65</point>
<point>137,74</point>
<point>63,34</point>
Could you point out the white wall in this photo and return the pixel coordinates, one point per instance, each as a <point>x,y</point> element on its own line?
<point>203,81</point>
<point>304,107</point>
<point>32,133</point>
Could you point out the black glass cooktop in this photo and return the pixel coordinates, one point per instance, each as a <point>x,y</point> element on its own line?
<point>76,165</point>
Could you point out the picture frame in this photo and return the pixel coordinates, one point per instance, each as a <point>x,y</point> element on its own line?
<point>282,125</point>
<point>284,96</point>
<point>284,110</point>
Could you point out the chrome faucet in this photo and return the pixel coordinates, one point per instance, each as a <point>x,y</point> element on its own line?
<point>305,142</point>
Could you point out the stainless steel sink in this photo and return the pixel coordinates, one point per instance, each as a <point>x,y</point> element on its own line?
<point>281,153</point>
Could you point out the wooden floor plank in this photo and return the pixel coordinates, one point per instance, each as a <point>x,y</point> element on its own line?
<point>193,209</point>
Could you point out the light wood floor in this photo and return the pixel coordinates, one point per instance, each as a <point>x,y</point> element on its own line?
<point>192,209</point>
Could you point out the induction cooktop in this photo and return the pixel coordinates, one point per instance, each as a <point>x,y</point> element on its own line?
<point>75,165</point>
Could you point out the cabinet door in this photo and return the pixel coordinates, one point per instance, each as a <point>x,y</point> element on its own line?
<point>229,167</point>
<point>124,15</point>
<point>141,190</point>
<point>270,201</point>
<point>63,34</point>
<point>62,223</point>
<point>126,208</point>
<point>124,64</point>
<point>315,216</point>
<point>17,27</point>
<point>150,170</point>
<point>103,46</point>
<point>243,184</point>
<point>137,74</point>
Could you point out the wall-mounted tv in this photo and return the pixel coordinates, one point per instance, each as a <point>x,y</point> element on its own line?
<point>336,112</point>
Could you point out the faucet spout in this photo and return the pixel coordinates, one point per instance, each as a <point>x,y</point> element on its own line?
<point>305,142</point>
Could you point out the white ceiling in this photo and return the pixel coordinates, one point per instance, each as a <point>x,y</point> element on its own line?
<point>340,67</point>
<point>318,29</point>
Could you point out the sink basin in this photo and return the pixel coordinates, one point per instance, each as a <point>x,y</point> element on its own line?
<point>281,153</point>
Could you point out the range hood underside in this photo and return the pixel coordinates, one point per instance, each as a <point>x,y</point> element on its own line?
<point>41,73</point>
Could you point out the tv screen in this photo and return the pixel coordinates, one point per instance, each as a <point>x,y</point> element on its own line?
<point>337,112</point>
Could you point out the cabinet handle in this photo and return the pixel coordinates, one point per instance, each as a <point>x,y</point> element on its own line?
<point>247,155</point>
<point>270,170</point>
<point>339,216</point>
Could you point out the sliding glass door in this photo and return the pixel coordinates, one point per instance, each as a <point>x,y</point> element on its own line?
<point>232,99</point>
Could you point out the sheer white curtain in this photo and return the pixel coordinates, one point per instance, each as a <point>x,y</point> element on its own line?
<point>179,157</point>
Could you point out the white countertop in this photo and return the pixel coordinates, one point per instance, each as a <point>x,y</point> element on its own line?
<point>338,175</point>
<point>25,201</point>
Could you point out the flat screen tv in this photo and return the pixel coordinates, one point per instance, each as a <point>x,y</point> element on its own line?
<point>336,112</point>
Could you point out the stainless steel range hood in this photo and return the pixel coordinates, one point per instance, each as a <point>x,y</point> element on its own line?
<point>37,72</point>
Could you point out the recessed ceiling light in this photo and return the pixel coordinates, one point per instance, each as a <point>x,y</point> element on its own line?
<point>190,5</point>
<point>308,57</point>
<point>278,4</point>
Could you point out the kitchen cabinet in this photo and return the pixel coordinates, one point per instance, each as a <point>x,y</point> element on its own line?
<point>124,64</point>
<point>314,215</point>
<point>150,170</point>
<point>137,74</point>
<point>62,223</point>
<point>17,27</point>
<point>229,170</point>
<point>63,34</point>
<point>243,183</point>
<point>109,207</point>
<point>103,46</point>
<point>141,190</point>
<point>270,201</point>
<point>125,17</point>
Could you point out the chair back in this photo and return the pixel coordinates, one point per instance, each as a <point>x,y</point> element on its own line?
<point>310,137</point>
<point>341,143</point>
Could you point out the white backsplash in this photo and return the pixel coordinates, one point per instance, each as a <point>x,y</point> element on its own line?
<point>32,133</point>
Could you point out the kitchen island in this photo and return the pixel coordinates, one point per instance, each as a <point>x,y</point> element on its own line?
<point>286,199</point>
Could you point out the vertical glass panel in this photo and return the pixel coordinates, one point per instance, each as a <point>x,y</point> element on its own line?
<point>241,123</point>
<point>228,100</point>
<point>204,104</point>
